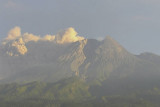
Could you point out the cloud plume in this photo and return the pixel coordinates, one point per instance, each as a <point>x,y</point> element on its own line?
<point>48,38</point>
<point>18,41</point>
<point>14,33</point>
<point>68,35</point>
<point>27,37</point>
<point>20,46</point>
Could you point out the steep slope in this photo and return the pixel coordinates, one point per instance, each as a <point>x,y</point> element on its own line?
<point>68,70</point>
<point>27,58</point>
<point>41,62</point>
<point>103,57</point>
<point>48,61</point>
<point>91,60</point>
<point>74,56</point>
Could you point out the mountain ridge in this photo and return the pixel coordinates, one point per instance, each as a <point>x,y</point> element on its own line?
<point>84,72</point>
<point>90,59</point>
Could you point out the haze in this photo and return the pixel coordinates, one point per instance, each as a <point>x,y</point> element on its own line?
<point>79,53</point>
<point>133,23</point>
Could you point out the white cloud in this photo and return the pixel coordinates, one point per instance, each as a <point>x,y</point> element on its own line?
<point>14,33</point>
<point>48,38</point>
<point>27,37</point>
<point>66,36</point>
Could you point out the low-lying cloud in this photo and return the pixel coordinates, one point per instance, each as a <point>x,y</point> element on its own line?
<point>68,35</point>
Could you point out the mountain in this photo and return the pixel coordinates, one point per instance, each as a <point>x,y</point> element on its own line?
<point>50,61</point>
<point>28,58</point>
<point>71,70</point>
<point>150,57</point>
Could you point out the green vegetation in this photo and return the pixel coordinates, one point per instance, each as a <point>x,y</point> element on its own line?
<point>74,92</point>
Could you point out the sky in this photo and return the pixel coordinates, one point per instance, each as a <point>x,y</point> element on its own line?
<point>135,24</point>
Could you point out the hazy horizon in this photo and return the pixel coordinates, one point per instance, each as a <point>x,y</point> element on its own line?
<point>133,23</point>
<point>70,32</point>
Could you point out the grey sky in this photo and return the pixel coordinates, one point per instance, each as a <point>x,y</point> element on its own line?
<point>133,23</point>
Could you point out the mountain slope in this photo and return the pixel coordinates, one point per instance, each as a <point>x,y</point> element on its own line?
<point>70,70</point>
<point>103,57</point>
<point>91,60</point>
<point>150,57</point>
<point>73,92</point>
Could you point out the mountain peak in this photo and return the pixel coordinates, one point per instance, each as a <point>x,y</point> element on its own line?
<point>112,44</point>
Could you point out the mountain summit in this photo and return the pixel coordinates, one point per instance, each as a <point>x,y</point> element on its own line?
<point>27,57</point>
<point>67,70</point>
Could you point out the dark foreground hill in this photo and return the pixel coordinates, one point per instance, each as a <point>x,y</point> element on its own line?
<point>73,92</point>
